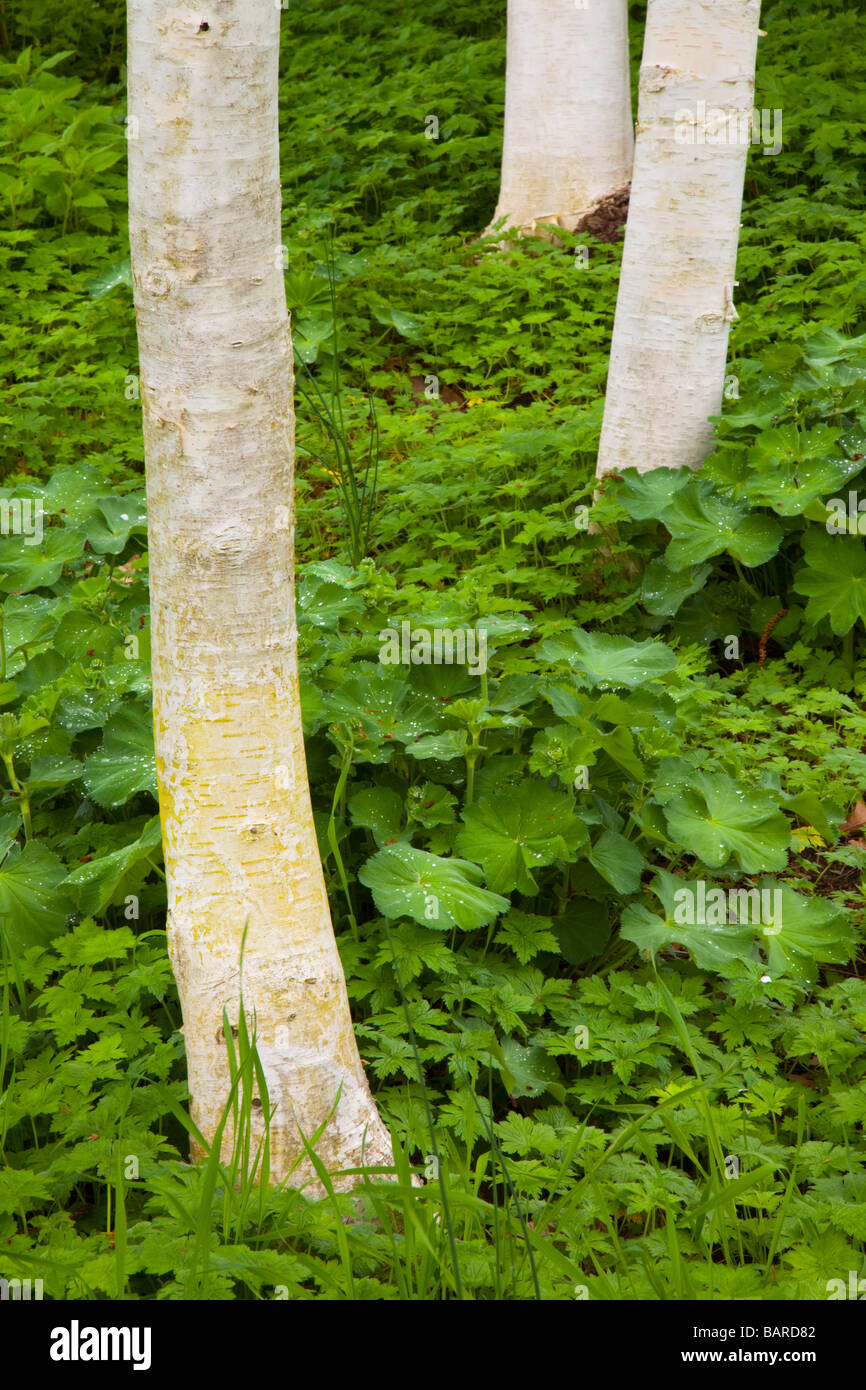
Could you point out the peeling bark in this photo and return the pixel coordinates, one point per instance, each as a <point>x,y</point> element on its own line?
<point>216,389</point>
<point>568,138</point>
<point>675,302</point>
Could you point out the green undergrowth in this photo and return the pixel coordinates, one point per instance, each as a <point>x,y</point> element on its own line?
<point>604,1099</point>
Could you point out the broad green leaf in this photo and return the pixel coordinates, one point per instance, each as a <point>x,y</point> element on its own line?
<point>618,744</point>
<point>664,590</point>
<point>120,516</point>
<point>703,525</point>
<point>379,810</point>
<point>94,884</point>
<point>73,493</point>
<point>312,706</point>
<point>561,750</point>
<point>512,692</point>
<point>381,709</point>
<point>716,819</point>
<point>751,414</point>
<point>530,1071</point>
<point>28,619</point>
<point>583,930</point>
<point>825,815</point>
<point>444,747</point>
<point>514,833</point>
<point>794,485</point>
<point>607,661</point>
<point>25,567</point>
<point>322,603</point>
<point>672,775</point>
<point>833,578</point>
<point>405,324</point>
<point>436,893</point>
<point>120,273</point>
<point>618,861</point>
<point>308,334</point>
<point>53,772</point>
<point>829,345</point>
<point>125,763</point>
<point>803,932</point>
<point>81,634</point>
<point>647,496</point>
<point>714,946</point>
<point>303,289</point>
<point>431,805</point>
<point>42,670</point>
<point>33,908</point>
<point>639,709</point>
<point>567,702</point>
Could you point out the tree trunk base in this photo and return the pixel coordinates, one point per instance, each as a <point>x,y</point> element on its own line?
<point>604,220</point>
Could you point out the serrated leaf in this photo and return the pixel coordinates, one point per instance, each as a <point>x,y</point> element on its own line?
<point>125,763</point>
<point>647,496</point>
<point>379,810</point>
<point>834,579</point>
<point>607,661</point>
<point>436,893</point>
<point>512,834</point>
<point>703,524</point>
<point>93,885</point>
<point>33,909</point>
<point>713,946</point>
<point>716,820</point>
<point>618,861</point>
<point>527,934</point>
<point>805,931</point>
<point>530,1070</point>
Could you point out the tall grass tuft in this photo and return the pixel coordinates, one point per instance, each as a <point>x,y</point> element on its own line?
<point>356,482</point>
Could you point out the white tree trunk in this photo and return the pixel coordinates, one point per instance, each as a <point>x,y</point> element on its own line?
<point>568,138</point>
<point>675,302</point>
<point>216,387</point>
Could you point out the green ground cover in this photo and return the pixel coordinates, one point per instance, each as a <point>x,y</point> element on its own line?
<point>605,1100</point>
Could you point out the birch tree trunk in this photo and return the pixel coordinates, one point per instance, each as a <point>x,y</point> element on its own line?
<point>216,389</point>
<point>675,302</point>
<point>568,138</point>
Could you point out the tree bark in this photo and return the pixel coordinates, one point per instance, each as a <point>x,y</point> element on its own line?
<point>216,389</point>
<point>675,301</point>
<point>568,138</point>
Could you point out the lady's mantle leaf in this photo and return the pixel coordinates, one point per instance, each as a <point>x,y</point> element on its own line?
<point>436,893</point>
<point>716,819</point>
<point>714,945</point>
<point>31,907</point>
<point>516,832</point>
<point>608,661</point>
<point>834,579</point>
<point>125,763</point>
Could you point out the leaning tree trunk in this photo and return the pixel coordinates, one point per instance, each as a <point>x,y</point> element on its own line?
<point>568,138</point>
<point>675,302</point>
<point>216,389</point>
